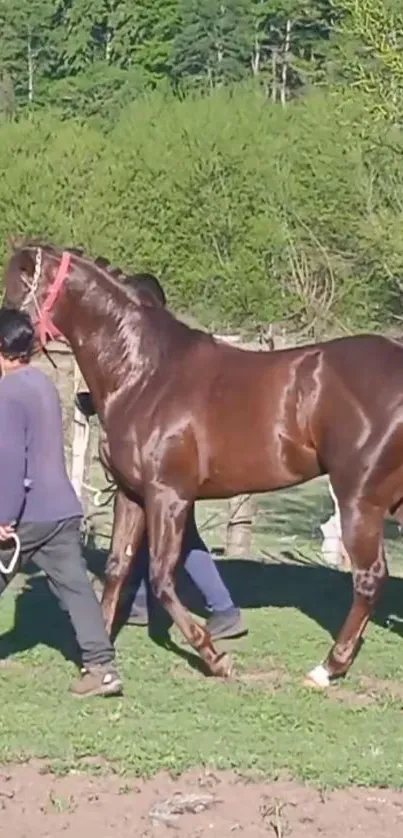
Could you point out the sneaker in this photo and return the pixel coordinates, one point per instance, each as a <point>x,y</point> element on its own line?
<point>83,401</point>
<point>226,624</point>
<point>100,679</point>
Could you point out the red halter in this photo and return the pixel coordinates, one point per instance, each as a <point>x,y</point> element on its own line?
<point>46,328</point>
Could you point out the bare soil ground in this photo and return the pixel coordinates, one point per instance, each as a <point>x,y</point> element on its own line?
<point>35,804</point>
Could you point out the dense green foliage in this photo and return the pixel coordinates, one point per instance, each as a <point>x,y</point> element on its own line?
<point>247,152</point>
<point>85,55</point>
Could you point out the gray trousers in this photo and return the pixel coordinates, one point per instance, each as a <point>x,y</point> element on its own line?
<point>55,548</point>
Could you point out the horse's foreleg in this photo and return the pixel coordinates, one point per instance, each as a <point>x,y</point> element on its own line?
<point>128,530</point>
<point>166,520</point>
<point>362,528</point>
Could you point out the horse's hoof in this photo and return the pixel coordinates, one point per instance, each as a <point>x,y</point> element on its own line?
<point>313,685</point>
<point>317,678</point>
<point>224,667</point>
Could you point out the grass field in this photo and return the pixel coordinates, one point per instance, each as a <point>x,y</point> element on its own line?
<point>172,717</point>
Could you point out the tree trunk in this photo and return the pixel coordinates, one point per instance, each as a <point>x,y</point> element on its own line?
<point>108,45</point>
<point>242,511</point>
<point>284,69</point>
<point>30,60</point>
<point>210,76</point>
<point>256,55</point>
<point>274,75</point>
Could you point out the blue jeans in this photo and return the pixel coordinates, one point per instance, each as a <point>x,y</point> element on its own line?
<point>198,563</point>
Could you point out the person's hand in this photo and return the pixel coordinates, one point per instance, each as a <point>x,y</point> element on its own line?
<point>6,531</point>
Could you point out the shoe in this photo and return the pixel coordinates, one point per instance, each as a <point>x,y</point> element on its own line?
<point>221,625</point>
<point>226,624</point>
<point>83,401</point>
<point>100,679</point>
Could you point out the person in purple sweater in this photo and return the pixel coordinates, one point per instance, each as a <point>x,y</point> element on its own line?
<point>38,502</point>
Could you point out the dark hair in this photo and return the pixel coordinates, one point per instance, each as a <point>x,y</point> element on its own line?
<point>17,335</point>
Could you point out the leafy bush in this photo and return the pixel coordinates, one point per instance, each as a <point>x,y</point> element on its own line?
<point>250,213</point>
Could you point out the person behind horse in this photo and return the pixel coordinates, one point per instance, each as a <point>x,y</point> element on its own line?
<point>225,619</point>
<point>38,502</point>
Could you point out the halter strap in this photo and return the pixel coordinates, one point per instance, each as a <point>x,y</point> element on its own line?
<point>47,329</point>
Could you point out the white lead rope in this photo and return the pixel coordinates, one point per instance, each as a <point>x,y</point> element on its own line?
<point>9,569</point>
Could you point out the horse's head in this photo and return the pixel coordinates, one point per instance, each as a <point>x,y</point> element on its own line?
<point>35,277</point>
<point>33,280</point>
<point>24,277</point>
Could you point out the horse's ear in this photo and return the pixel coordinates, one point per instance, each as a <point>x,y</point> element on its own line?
<point>13,242</point>
<point>27,263</point>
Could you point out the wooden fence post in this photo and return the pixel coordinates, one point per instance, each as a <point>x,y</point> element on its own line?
<point>81,435</point>
<point>242,511</point>
<point>333,551</point>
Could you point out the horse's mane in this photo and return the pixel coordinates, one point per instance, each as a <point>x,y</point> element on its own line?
<point>144,284</point>
<point>163,333</point>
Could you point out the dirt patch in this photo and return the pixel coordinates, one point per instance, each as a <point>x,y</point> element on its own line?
<point>383,688</point>
<point>351,698</point>
<point>273,679</point>
<point>196,805</point>
<point>9,663</point>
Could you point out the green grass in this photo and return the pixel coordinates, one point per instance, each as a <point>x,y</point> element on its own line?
<point>172,717</point>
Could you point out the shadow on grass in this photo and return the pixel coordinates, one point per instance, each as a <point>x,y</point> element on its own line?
<point>324,595</point>
<point>38,619</point>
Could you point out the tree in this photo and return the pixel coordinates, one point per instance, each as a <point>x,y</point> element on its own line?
<point>7,97</point>
<point>122,33</point>
<point>84,23</point>
<point>375,28</point>
<point>26,42</point>
<point>214,42</point>
<point>290,43</point>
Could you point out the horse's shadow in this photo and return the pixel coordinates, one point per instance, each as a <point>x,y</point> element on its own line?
<point>321,593</point>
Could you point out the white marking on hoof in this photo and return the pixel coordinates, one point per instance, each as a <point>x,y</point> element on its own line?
<point>319,676</point>
<point>225,669</point>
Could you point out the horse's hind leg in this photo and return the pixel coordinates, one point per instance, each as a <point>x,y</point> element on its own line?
<point>362,529</point>
<point>166,520</point>
<point>128,530</point>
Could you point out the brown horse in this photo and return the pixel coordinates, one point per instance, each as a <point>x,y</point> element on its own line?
<point>187,417</point>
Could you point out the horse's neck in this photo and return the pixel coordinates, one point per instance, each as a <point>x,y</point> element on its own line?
<point>103,351</point>
<point>94,375</point>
